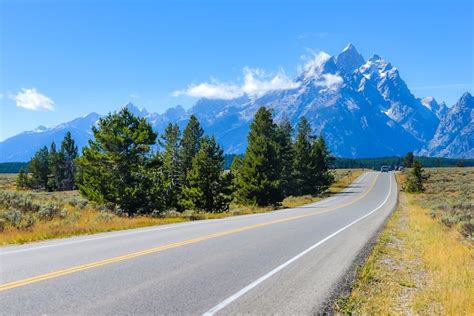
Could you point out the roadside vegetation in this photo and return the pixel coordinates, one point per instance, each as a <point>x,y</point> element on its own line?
<point>128,177</point>
<point>31,215</point>
<point>423,261</point>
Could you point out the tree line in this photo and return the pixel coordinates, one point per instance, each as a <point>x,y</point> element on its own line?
<point>51,169</point>
<point>128,166</point>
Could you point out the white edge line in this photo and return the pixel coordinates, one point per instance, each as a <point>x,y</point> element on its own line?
<point>252,285</point>
<point>140,231</point>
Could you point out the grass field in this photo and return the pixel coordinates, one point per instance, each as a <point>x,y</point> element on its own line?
<point>34,215</point>
<point>423,261</point>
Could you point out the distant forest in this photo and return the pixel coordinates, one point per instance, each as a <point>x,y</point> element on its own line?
<point>338,163</point>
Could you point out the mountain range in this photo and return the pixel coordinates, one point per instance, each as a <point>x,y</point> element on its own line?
<point>362,107</point>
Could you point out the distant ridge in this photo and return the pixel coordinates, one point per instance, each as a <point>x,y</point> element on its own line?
<point>362,107</point>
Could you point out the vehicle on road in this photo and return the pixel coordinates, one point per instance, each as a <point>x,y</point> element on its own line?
<point>384,169</point>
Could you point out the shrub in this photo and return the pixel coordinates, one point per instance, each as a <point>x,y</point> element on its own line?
<point>14,217</point>
<point>105,217</point>
<point>48,211</point>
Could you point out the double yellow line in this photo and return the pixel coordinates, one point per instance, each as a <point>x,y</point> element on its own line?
<point>47,276</point>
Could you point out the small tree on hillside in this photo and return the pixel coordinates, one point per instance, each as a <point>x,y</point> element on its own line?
<point>416,178</point>
<point>208,186</point>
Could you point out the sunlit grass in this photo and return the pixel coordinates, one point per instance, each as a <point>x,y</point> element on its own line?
<point>418,265</point>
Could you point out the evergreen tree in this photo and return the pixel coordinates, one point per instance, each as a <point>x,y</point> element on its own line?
<point>303,164</point>
<point>208,186</point>
<point>322,160</point>
<point>39,169</point>
<point>285,153</point>
<point>190,143</point>
<point>416,178</point>
<point>409,160</point>
<point>258,181</point>
<point>55,168</point>
<point>172,176</point>
<point>115,166</point>
<point>68,154</point>
<point>22,181</point>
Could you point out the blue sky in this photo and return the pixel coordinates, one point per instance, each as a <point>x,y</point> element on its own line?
<point>63,59</point>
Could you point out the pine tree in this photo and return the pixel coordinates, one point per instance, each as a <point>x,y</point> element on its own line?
<point>115,165</point>
<point>55,168</point>
<point>208,186</point>
<point>39,169</point>
<point>190,143</point>
<point>416,178</point>
<point>285,153</point>
<point>322,160</point>
<point>69,153</point>
<point>172,176</point>
<point>258,181</point>
<point>303,163</point>
<point>409,160</point>
<point>22,181</point>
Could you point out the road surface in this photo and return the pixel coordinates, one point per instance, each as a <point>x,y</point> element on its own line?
<point>284,262</point>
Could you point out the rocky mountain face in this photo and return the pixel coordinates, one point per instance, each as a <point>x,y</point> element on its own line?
<point>455,134</point>
<point>362,107</point>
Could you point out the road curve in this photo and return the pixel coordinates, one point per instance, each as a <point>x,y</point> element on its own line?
<point>284,262</point>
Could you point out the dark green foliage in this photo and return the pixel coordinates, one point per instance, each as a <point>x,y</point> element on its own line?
<point>39,169</point>
<point>172,166</point>
<point>13,167</point>
<point>303,163</point>
<point>117,166</point>
<point>285,154</point>
<point>208,186</point>
<point>376,163</point>
<point>416,178</point>
<point>68,155</point>
<point>190,143</point>
<point>408,161</point>
<point>321,160</point>
<point>258,182</point>
<point>22,181</point>
<point>311,162</point>
<point>56,163</point>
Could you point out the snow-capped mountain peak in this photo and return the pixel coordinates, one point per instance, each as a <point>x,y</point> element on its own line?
<point>349,60</point>
<point>362,107</point>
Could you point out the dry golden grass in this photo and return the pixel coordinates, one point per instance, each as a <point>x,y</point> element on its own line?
<point>418,266</point>
<point>75,216</point>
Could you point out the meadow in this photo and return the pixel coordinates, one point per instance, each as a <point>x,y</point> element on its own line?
<point>423,261</point>
<point>28,215</point>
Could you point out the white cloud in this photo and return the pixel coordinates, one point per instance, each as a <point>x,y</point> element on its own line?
<point>256,83</point>
<point>213,90</point>
<point>313,67</point>
<point>329,81</point>
<point>31,99</point>
<point>1,96</point>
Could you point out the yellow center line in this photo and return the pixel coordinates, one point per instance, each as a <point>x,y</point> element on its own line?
<point>47,276</point>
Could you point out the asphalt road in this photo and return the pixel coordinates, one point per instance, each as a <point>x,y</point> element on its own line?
<point>284,262</point>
